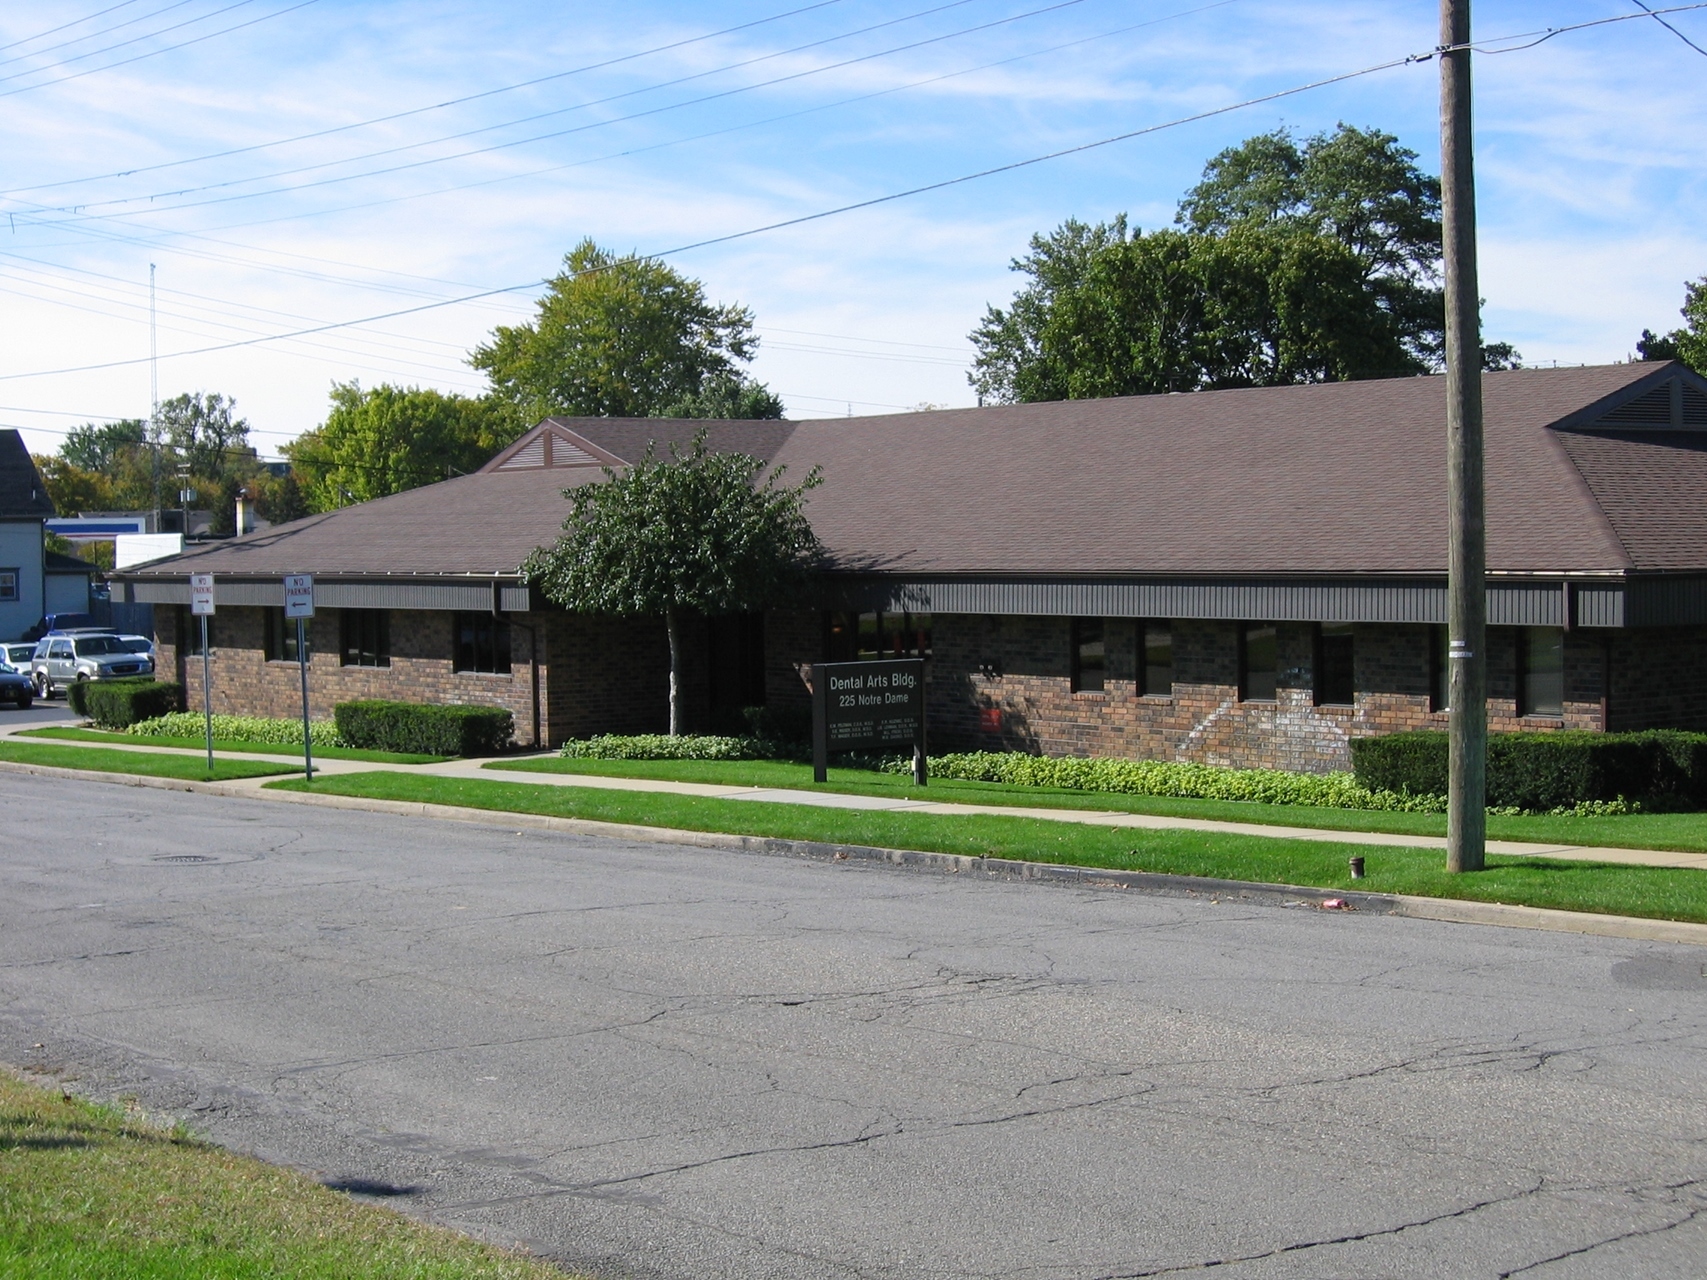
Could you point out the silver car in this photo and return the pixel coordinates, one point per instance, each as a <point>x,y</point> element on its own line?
<point>67,659</point>
<point>18,655</point>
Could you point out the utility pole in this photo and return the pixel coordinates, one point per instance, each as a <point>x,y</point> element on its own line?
<point>1467,817</point>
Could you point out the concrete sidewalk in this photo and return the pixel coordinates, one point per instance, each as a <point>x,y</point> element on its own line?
<point>478,770</point>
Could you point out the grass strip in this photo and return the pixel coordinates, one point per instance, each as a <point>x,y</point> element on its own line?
<point>1686,832</point>
<point>227,744</point>
<point>1655,892</point>
<point>144,763</point>
<point>91,1191</point>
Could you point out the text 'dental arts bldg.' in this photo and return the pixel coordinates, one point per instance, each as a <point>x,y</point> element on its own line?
<point>1248,577</point>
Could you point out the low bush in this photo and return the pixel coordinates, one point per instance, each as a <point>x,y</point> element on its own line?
<point>259,729</point>
<point>427,729</point>
<point>661,746</point>
<point>118,704</point>
<point>1168,778</point>
<point>1548,771</point>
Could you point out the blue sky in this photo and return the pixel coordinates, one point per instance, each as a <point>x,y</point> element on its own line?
<point>1591,182</point>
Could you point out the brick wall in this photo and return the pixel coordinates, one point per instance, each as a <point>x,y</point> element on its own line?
<point>245,682</point>
<point>1659,677</point>
<point>1004,683</point>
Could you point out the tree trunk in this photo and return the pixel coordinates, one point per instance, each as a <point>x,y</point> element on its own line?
<point>673,625</point>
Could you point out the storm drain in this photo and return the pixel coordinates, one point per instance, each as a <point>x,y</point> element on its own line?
<point>184,857</point>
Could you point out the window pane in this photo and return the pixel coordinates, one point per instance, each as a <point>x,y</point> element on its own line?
<point>1090,659</point>
<point>1261,662</point>
<point>839,639</point>
<point>1158,659</point>
<point>1543,671</point>
<point>870,643</point>
<point>1335,684</point>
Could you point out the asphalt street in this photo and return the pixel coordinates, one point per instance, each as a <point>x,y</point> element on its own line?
<point>657,1061</point>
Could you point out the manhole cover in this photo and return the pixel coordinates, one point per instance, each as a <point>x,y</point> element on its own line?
<point>184,857</point>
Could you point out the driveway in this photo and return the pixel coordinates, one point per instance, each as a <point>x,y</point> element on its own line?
<point>657,1061</point>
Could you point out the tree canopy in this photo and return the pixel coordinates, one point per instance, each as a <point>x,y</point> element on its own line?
<point>386,439</point>
<point>1688,344</point>
<point>203,437</point>
<point>701,532</point>
<point>1290,263</point>
<point>626,337</point>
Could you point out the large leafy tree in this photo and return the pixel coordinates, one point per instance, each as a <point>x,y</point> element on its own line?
<point>1344,228</point>
<point>386,439</point>
<point>1688,344</point>
<point>626,337</point>
<point>203,436</point>
<point>104,446</point>
<point>700,532</point>
<point>1108,314</point>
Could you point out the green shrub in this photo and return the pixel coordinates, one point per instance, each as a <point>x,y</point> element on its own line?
<point>661,746</point>
<point>118,704</point>
<point>1550,770</point>
<point>1167,778</point>
<point>259,729</point>
<point>428,729</point>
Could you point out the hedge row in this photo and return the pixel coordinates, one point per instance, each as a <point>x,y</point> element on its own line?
<point>260,729</point>
<point>118,704</point>
<point>454,730</point>
<point>1545,771</point>
<point>1168,778</point>
<point>661,746</point>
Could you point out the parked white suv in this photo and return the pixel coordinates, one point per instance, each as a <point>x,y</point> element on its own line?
<point>66,659</point>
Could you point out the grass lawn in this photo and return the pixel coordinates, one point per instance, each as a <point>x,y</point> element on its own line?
<point>141,762</point>
<point>1680,831</point>
<point>225,744</point>
<point>89,1191</point>
<point>1663,893</point>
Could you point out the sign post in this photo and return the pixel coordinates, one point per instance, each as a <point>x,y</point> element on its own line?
<point>201,606</point>
<point>863,706</point>
<point>299,604</point>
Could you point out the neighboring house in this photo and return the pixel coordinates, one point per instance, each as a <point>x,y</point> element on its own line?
<point>1243,577</point>
<point>66,584</point>
<point>24,505</point>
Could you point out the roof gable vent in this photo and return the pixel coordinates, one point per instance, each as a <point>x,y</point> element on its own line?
<point>1694,406</point>
<point>1650,409</point>
<point>549,448</point>
<point>530,456</point>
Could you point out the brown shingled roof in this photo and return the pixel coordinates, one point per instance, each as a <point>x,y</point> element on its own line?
<point>1337,478</point>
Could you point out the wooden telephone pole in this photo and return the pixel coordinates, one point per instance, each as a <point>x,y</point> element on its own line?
<point>1467,660</point>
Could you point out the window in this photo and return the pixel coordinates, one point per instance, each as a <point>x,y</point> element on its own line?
<point>190,633</point>
<point>1090,655</point>
<point>8,585</point>
<point>1541,671</point>
<point>1335,682</point>
<point>863,637</point>
<point>1439,669</point>
<point>364,636</point>
<point>482,644</point>
<point>1156,659</point>
<point>279,636</point>
<point>1259,662</point>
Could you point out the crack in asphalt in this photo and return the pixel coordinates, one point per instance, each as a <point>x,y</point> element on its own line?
<point>1637,1233</point>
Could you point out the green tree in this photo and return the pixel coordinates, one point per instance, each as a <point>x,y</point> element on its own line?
<point>709,533</point>
<point>202,436</point>
<point>74,489</point>
<point>1110,314</point>
<point>626,337</point>
<point>278,499</point>
<point>104,446</point>
<point>387,439</point>
<point>1688,344</point>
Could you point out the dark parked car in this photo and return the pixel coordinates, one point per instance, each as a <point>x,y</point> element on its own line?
<point>15,686</point>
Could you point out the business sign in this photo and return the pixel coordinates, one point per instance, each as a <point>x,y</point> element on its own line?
<point>299,595</point>
<point>868,706</point>
<point>95,528</point>
<point>201,595</point>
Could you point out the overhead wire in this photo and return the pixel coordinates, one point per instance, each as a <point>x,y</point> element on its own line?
<point>117,26</point>
<point>66,26</point>
<point>153,53</point>
<point>155,207</point>
<point>1657,18</point>
<point>437,106</point>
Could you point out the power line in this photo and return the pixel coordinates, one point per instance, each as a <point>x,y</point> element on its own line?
<point>125,62</point>
<point>437,106</point>
<point>78,210</point>
<point>1686,40</point>
<point>66,44</point>
<point>66,26</point>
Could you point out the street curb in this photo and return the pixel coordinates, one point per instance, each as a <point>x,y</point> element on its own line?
<point>1446,910</point>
